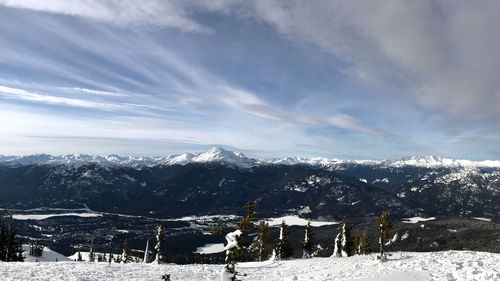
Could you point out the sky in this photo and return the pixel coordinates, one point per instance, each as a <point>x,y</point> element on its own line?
<point>346,79</point>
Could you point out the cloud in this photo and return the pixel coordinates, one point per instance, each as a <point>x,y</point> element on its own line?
<point>440,53</point>
<point>350,123</point>
<point>251,104</point>
<point>126,13</point>
<point>437,52</point>
<point>20,94</point>
<point>94,92</point>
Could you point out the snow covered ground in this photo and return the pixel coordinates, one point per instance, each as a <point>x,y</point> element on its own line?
<point>48,256</point>
<point>449,265</point>
<point>210,248</point>
<point>417,219</point>
<point>295,220</point>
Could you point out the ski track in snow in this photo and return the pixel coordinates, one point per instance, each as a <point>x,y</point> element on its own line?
<point>402,266</point>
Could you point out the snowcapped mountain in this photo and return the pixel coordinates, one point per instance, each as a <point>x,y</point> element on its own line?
<point>216,154</point>
<point>221,181</point>
<point>220,155</point>
<point>433,162</point>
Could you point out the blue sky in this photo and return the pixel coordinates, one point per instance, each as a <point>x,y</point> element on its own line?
<point>347,79</point>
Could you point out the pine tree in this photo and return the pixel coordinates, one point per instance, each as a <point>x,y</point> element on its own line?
<point>308,244</point>
<point>356,241</point>
<point>337,246</point>
<point>384,226</point>
<point>158,247</point>
<point>11,247</point>
<point>347,242</point>
<point>91,252</point>
<point>229,272</point>
<point>127,253</point>
<point>262,245</point>
<point>246,226</point>
<point>3,241</point>
<point>364,244</point>
<point>284,249</point>
<point>15,247</point>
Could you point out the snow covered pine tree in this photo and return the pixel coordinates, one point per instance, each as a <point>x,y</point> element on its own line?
<point>246,226</point>
<point>384,226</point>
<point>284,249</point>
<point>308,244</point>
<point>159,240</point>
<point>126,253</point>
<point>347,241</point>
<point>337,246</point>
<point>10,246</point>
<point>228,272</point>
<point>356,241</point>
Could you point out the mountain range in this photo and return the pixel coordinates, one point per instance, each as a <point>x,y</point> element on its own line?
<point>220,182</point>
<point>220,155</point>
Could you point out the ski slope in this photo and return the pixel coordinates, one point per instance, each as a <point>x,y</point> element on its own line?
<point>402,266</point>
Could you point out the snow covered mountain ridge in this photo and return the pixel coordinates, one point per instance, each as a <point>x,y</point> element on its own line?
<point>220,155</point>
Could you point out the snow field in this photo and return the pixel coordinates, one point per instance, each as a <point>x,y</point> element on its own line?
<point>402,266</point>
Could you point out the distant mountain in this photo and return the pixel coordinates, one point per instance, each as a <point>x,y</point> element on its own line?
<point>220,182</point>
<point>220,155</point>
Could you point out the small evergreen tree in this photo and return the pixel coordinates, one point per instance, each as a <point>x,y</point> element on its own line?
<point>262,245</point>
<point>218,231</point>
<point>91,252</point>
<point>337,246</point>
<point>158,247</point>
<point>284,249</point>
<point>3,241</point>
<point>384,226</point>
<point>356,241</point>
<point>79,257</point>
<point>11,247</point>
<point>364,244</point>
<point>347,242</point>
<point>229,272</point>
<point>127,253</point>
<point>308,244</point>
<point>16,248</point>
<point>246,226</point>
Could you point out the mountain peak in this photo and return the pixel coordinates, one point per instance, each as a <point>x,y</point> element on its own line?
<point>218,154</point>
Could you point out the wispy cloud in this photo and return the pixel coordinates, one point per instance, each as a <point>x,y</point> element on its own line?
<point>20,94</point>
<point>251,104</point>
<point>94,92</point>
<point>350,123</point>
<point>128,13</point>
